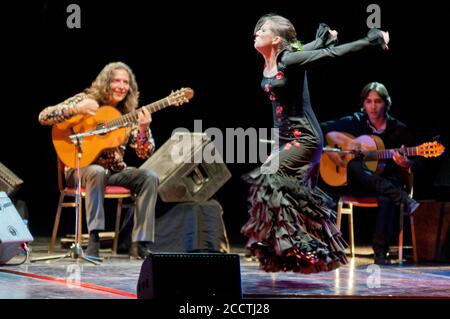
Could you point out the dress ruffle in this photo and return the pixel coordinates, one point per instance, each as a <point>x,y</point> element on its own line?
<point>291,226</point>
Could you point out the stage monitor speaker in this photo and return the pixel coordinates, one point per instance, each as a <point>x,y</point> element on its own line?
<point>190,276</point>
<point>9,182</point>
<point>13,231</point>
<point>184,176</point>
<point>432,227</point>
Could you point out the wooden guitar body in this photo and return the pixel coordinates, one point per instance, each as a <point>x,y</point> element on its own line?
<point>107,120</point>
<point>91,146</point>
<point>371,148</point>
<point>335,175</point>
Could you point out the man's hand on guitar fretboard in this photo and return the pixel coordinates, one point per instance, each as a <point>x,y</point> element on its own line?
<point>401,159</point>
<point>337,159</point>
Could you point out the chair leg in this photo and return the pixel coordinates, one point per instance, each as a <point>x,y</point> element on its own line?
<point>339,215</point>
<point>413,238</point>
<point>56,224</point>
<point>350,229</point>
<point>400,240</point>
<point>117,226</point>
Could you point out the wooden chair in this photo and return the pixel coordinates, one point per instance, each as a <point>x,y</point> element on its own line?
<point>345,207</point>
<point>111,192</point>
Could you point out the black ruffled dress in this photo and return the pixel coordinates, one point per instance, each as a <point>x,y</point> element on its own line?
<point>292,222</point>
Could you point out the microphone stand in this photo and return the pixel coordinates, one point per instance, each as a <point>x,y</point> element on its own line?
<point>75,250</point>
<point>357,152</point>
<point>338,150</point>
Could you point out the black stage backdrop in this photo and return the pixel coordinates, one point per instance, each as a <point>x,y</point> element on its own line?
<point>208,45</point>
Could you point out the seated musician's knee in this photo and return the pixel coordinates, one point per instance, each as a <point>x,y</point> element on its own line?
<point>95,172</point>
<point>354,167</point>
<point>150,177</point>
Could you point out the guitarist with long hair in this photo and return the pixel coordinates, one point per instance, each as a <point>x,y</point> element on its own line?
<point>374,119</point>
<point>116,87</point>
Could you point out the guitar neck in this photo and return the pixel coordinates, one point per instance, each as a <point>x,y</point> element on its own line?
<point>389,153</point>
<point>132,116</point>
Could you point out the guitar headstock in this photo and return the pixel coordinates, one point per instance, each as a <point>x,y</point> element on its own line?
<point>180,96</point>
<point>431,149</point>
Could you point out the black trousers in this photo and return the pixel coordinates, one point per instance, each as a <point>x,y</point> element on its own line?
<point>363,182</point>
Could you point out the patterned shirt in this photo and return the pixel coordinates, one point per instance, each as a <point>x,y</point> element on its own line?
<point>112,158</point>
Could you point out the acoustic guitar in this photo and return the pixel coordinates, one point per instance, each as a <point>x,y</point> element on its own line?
<point>107,119</point>
<point>371,149</point>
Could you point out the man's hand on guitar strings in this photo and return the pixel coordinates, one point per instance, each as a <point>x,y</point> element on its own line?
<point>336,159</point>
<point>87,107</point>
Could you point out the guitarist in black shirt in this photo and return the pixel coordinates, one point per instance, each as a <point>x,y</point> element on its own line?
<point>387,187</point>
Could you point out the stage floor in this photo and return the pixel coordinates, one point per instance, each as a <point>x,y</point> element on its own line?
<point>116,278</point>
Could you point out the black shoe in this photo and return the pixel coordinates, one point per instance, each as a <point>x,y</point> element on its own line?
<point>124,246</point>
<point>139,250</point>
<point>93,248</point>
<point>382,259</point>
<point>410,205</point>
<point>123,249</point>
<point>260,244</point>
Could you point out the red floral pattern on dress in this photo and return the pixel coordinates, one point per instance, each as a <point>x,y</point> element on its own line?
<point>279,110</point>
<point>296,133</point>
<point>288,146</point>
<point>266,87</point>
<point>279,75</point>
